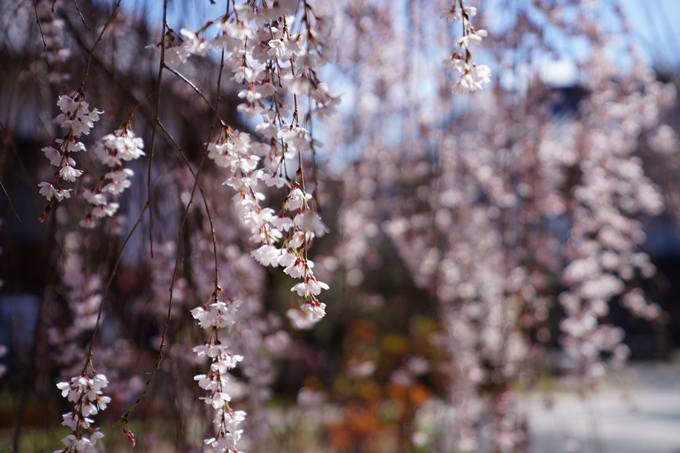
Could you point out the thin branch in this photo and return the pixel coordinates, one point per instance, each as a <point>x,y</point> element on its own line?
<point>75,2</point>
<point>108,286</point>
<point>149,183</point>
<point>205,154</point>
<point>139,104</point>
<point>159,357</point>
<point>9,144</point>
<point>200,93</point>
<point>200,188</point>
<point>42,35</point>
<point>180,150</point>
<point>99,38</point>
<point>32,185</point>
<point>10,202</point>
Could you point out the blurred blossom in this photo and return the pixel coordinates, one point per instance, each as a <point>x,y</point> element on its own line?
<point>360,370</point>
<point>310,398</point>
<point>278,342</point>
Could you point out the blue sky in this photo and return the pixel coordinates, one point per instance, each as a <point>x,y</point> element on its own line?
<point>656,23</point>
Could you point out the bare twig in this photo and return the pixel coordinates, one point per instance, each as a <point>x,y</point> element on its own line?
<point>99,38</point>
<point>75,2</point>
<point>205,154</point>
<point>25,172</point>
<point>159,357</point>
<point>149,182</point>
<point>180,151</point>
<point>88,362</point>
<point>200,93</point>
<point>10,203</point>
<point>139,104</point>
<point>200,188</point>
<point>42,35</point>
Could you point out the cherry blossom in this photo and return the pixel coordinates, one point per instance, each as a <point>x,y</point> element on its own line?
<point>472,76</point>
<point>87,395</point>
<point>112,150</point>
<point>211,317</point>
<point>78,117</point>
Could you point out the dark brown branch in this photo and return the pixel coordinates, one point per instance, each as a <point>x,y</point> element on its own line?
<point>200,93</point>
<point>179,150</point>
<point>200,188</point>
<point>32,185</point>
<point>205,154</point>
<point>99,38</point>
<point>10,203</point>
<point>75,2</point>
<point>149,182</point>
<point>88,362</point>
<point>42,35</point>
<point>139,104</point>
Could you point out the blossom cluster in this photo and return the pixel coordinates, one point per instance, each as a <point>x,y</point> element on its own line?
<point>472,75</point>
<point>112,150</point>
<point>87,395</point>
<point>213,316</point>
<point>297,224</point>
<point>274,63</point>
<point>79,118</point>
<point>256,334</point>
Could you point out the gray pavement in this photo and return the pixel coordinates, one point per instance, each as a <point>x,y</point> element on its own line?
<point>634,412</point>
